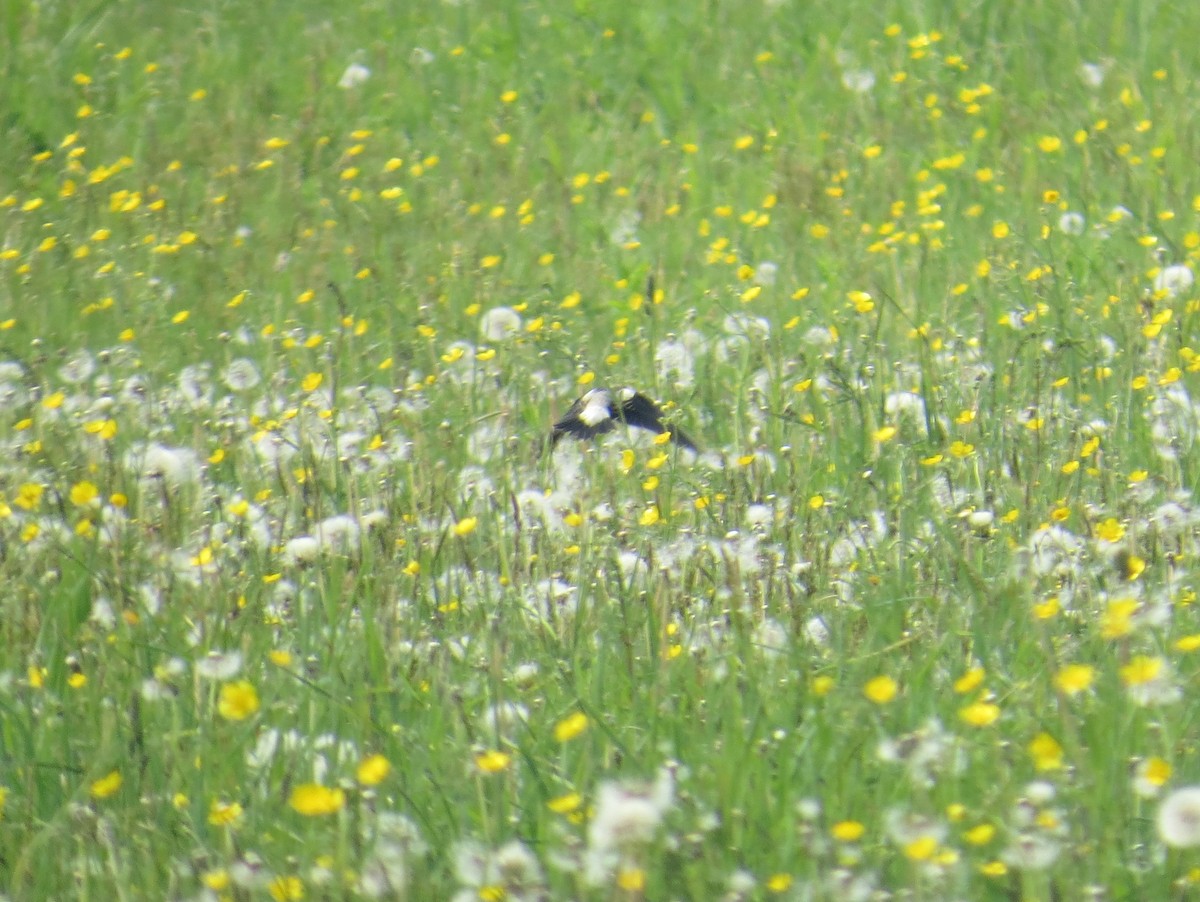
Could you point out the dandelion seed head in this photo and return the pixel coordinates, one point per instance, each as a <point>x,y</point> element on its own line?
<point>858,81</point>
<point>241,374</point>
<point>499,324</point>
<point>1072,223</point>
<point>1174,280</point>
<point>354,75</point>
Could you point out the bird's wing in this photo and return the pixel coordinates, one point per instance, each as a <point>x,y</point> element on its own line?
<point>571,424</point>
<point>638,410</point>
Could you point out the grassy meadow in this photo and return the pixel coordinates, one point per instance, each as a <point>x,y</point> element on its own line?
<point>298,606</point>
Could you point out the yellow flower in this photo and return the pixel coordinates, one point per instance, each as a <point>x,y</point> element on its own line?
<point>1188,643</point>
<point>1155,771</point>
<point>969,680</point>
<point>1141,669</point>
<point>29,496</point>
<point>312,382</point>
<point>1110,530</point>
<point>238,700</point>
<point>224,814</point>
<point>863,303</point>
<point>286,889</point>
<point>921,849</point>
<point>884,433</point>
<point>980,714</point>
<point>315,800</point>
<point>847,831</point>
<point>570,727</point>
<point>632,880</point>
<point>465,526</point>
<point>217,881</point>
<point>822,685</point>
<point>565,804</point>
<point>1074,678</point>
<point>1117,619</point>
<point>373,770</point>
<point>981,835</point>
<point>280,657</point>
<point>1046,753</point>
<point>779,883</point>
<point>104,429</point>
<point>881,689</point>
<point>649,516</point>
<point>83,493</point>
<point>107,785</point>
<point>493,761</point>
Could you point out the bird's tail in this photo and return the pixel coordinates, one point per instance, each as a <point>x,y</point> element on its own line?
<point>681,438</point>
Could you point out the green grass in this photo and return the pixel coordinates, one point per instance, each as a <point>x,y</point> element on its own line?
<point>296,605</point>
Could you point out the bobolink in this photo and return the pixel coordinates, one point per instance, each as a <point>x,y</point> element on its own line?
<point>599,411</point>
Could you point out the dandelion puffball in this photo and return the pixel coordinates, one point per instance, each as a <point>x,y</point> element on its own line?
<point>1179,818</point>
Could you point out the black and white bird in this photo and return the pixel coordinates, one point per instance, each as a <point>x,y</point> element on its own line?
<point>599,411</point>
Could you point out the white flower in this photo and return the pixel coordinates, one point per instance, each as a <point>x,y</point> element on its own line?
<point>152,690</point>
<point>980,520</point>
<point>766,272</point>
<point>79,368</point>
<point>552,600</point>
<point>241,374</point>
<point>1173,519</point>
<point>1032,851</point>
<point>1174,280</point>
<point>626,816</point>
<point>103,614</point>
<point>625,231</point>
<point>1040,792</point>
<point>862,536</point>
<point>301,550</point>
<point>770,638</point>
<point>630,563</point>
<point>499,323</point>
<point>816,630</point>
<point>387,870</point>
<point>860,81</point>
<point>526,674</point>
<point>218,665</point>
<point>759,516</point>
<point>819,336</point>
<point>906,827</point>
<point>355,75</point>
<point>1072,223</point>
<point>674,361</point>
<point>421,57</point>
<point>1092,74</point>
<point>512,868</point>
<point>338,533</point>
<point>1054,550</point>
<point>174,466</point>
<point>755,328</point>
<point>504,719</point>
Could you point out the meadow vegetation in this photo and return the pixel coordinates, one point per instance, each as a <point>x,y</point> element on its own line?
<point>297,604</point>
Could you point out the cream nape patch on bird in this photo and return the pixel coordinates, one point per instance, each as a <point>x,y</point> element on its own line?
<point>597,407</point>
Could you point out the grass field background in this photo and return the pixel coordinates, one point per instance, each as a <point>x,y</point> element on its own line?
<point>297,605</point>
